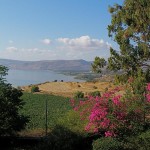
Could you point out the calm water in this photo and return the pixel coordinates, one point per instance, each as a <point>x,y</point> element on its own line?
<point>27,77</point>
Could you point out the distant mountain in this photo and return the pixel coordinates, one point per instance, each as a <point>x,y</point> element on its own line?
<point>55,65</point>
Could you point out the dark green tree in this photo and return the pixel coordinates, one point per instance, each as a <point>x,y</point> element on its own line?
<point>98,64</point>
<point>10,104</point>
<point>130,29</point>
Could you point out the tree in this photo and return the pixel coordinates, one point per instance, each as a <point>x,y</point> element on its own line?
<point>3,72</point>
<point>130,28</point>
<point>98,64</point>
<point>10,104</point>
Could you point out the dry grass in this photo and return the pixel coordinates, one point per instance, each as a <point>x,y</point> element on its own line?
<point>68,89</point>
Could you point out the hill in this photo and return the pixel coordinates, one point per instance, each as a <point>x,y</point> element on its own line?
<point>55,65</point>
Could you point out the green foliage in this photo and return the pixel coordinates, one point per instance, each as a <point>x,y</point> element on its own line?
<point>98,64</point>
<point>34,89</point>
<point>66,128</point>
<point>130,29</point>
<point>107,144</point>
<point>3,72</point>
<point>35,107</point>
<point>72,121</point>
<point>78,94</point>
<point>142,141</point>
<point>10,104</point>
<point>95,93</point>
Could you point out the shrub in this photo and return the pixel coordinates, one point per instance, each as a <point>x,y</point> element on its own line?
<point>94,87</point>
<point>115,115</point>
<point>142,141</point>
<point>34,89</point>
<point>95,93</point>
<point>107,144</point>
<point>79,94</point>
<point>106,89</point>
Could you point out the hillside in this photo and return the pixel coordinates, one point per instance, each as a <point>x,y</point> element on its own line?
<point>67,89</point>
<point>55,65</point>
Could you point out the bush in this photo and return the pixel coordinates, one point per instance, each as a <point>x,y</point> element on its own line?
<point>11,121</point>
<point>107,144</point>
<point>95,93</point>
<point>34,89</point>
<point>94,87</point>
<point>79,94</point>
<point>141,141</point>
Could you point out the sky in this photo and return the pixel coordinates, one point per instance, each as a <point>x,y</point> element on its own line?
<point>55,29</point>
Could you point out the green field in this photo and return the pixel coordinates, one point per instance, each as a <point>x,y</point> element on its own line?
<point>35,108</point>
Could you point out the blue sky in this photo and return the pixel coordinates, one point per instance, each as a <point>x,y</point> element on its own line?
<point>55,29</point>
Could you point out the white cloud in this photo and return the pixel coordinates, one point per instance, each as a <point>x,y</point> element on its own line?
<point>84,42</point>
<point>83,47</point>
<point>11,49</point>
<point>46,41</point>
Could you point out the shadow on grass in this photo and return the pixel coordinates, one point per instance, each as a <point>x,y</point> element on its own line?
<point>18,143</point>
<point>59,139</point>
<point>63,139</point>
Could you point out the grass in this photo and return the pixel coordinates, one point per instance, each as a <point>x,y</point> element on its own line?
<point>35,108</point>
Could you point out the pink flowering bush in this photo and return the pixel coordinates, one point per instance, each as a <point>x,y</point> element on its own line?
<point>113,114</point>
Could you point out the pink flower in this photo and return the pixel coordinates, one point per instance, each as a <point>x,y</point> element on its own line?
<point>148,97</point>
<point>148,87</point>
<point>109,134</point>
<point>116,100</point>
<point>105,123</point>
<point>72,102</point>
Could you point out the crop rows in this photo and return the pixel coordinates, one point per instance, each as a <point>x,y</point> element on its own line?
<point>35,108</point>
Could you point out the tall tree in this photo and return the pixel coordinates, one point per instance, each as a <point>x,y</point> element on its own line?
<point>10,104</point>
<point>130,28</point>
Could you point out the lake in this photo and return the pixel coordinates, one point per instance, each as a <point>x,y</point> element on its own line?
<point>27,77</point>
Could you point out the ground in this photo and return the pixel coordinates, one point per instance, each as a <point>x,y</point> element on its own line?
<point>68,89</point>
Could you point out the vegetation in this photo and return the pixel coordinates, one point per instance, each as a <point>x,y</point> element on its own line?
<point>98,64</point>
<point>65,129</point>
<point>107,144</point>
<point>79,94</point>
<point>35,89</point>
<point>95,93</point>
<point>119,118</point>
<point>122,120</point>
<point>130,28</point>
<point>35,108</point>
<point>10,104</point>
